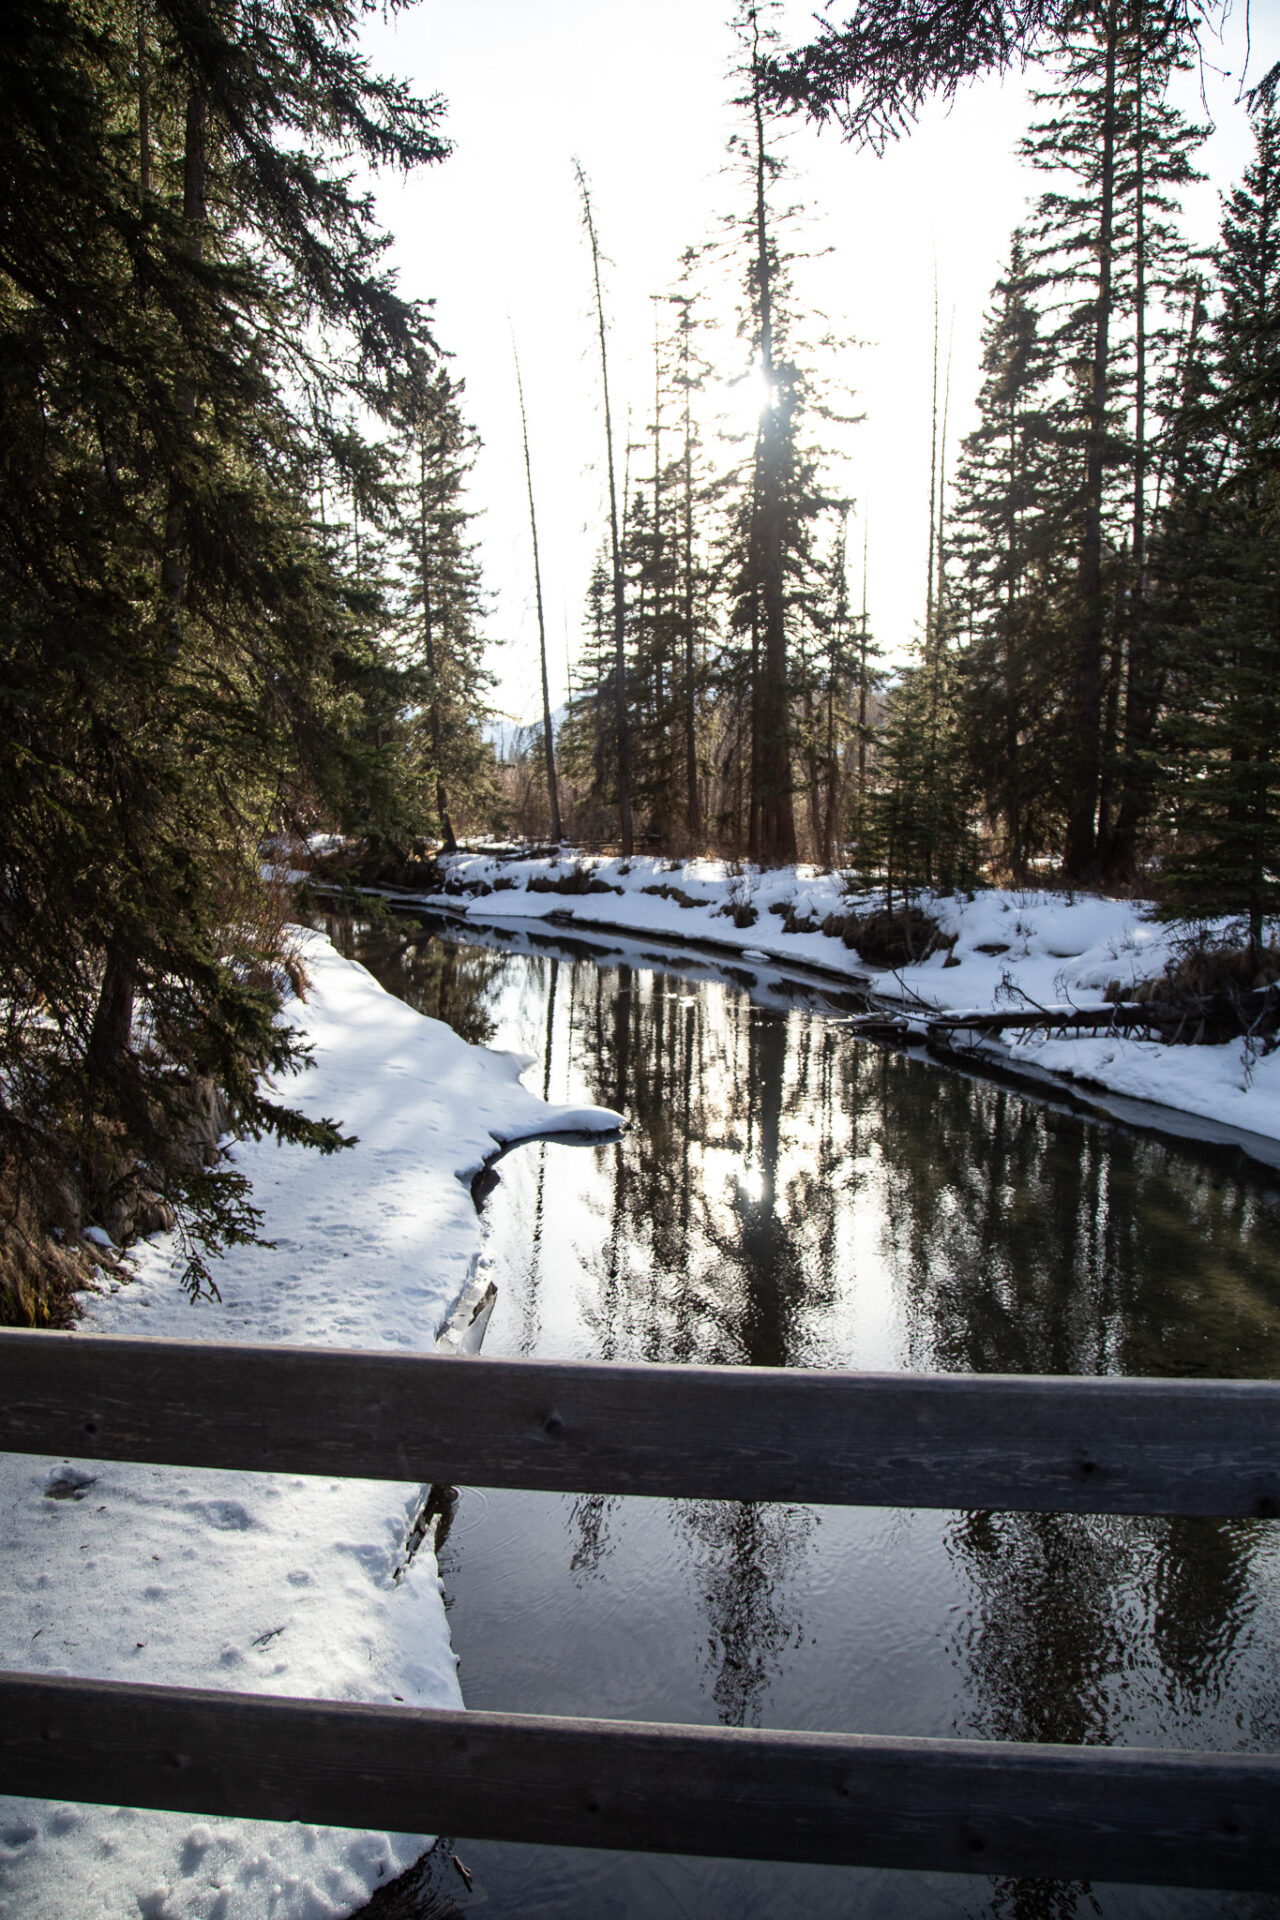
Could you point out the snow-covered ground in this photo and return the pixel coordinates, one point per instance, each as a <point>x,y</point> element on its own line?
<point>266,1583</point>
<point>301,1586</point>
<point>1013,949</point>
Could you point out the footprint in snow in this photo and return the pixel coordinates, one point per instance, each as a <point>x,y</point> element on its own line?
<point>229,1516</point>
<point>69,1483</point>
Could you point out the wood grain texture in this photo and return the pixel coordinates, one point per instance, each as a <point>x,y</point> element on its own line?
<point>1174,1819</point>
<point>1010,1442</point>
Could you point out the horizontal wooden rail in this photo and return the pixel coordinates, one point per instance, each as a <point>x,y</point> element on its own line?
<point>952,1806</point>
<point>1105,1445</point>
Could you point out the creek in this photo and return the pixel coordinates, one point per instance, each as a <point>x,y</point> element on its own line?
<point>787,1194</point>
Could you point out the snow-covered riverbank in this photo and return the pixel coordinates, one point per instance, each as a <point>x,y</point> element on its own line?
<point>267,1583</point>
<point>1016,949</point>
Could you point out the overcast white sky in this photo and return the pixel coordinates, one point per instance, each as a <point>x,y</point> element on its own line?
<point>639,94</point>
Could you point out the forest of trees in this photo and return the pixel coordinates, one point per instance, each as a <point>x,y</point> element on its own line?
<point>1089,695</point>
<point>238,594</point>
<point>242,602</point>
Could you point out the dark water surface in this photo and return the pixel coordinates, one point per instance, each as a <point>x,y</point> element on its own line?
<point>787,1195</point>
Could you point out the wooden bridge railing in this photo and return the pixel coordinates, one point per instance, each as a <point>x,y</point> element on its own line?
<point>1013,1442</point>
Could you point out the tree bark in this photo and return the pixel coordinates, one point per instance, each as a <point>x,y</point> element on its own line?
<point>1081,853</point>
<point>619,583</point>
<point>771,767</point>
<point>548,735</point>
<point>693,810</point>
<point>1121,850</point>
<point>448,839</point>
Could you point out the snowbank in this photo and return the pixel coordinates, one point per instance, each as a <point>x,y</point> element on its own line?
<point>271,1584</point>
<point>1008,948</point>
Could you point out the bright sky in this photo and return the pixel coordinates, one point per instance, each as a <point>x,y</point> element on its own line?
<point>638,94</point>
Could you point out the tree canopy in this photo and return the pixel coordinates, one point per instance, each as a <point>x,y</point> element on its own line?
<point>192,289</point>
<point>872,74</point>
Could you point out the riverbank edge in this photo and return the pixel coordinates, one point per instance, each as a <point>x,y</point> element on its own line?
<point>350,1606</point>
<point>1176,1090</point>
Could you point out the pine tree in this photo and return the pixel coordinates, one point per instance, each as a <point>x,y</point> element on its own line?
<point>1223,770</point>
<point>177,633</point>
<point>762,579</point>
<point>842,678</point>
<point>874,72</point>
<point>769,560</point>
<point>652,611</point>
<point>1006,540</point>
<point>1109,251</point>
<point>919,818</point>
<point>665,575</point>
<point>444,601</point>
<point>589,735</point>
<point>1165,275</point>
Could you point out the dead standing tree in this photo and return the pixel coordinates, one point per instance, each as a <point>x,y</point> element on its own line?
<point>548,732</point>
<point>619,577</point>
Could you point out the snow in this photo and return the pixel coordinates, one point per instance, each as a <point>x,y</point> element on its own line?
<point>291,1585</point>
<point>267,1583</point>
<point>1045,948</point>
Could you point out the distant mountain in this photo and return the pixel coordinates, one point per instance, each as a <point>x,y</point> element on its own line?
<point>504,733</point>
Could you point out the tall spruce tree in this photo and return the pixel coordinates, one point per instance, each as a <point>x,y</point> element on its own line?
<point>176,631</point>
<point>761,587</point>
<point>920,825</point>
<point>1106,249</point>
<point>770,553</point>
<point>1223,734</point>
<point>443,635</point>
<point>1006,539</point>
<point>835,727</point>
<point>589,735</point>
<point>919,831</point>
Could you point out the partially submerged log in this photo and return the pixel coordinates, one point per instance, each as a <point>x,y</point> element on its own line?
<point>1148,1020</point>
<point>1057,1020</point>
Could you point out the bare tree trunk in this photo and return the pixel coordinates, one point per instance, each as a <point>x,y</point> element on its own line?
<point>771,767</point>
<point>664,671</point>
<point>548,736</point>
<point>833,783</point>
<point>448,839</point>
<point>693,810</point>
<point>935,635</point>
<point>753,791</point>
<point>1121,853</point>
<point>1263,837</point>
<point>619,584</point>
<point>1014,831</point>
<point>831,757</point>
<point>933,478</point>
<point>863,688</point>
<point>1081,856</point>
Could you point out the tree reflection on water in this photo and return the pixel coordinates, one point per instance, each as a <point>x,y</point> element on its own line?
<point>786,1195</point>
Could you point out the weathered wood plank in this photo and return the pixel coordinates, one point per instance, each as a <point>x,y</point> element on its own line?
<point>751,1433</point>
<point>1176,1819</point>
